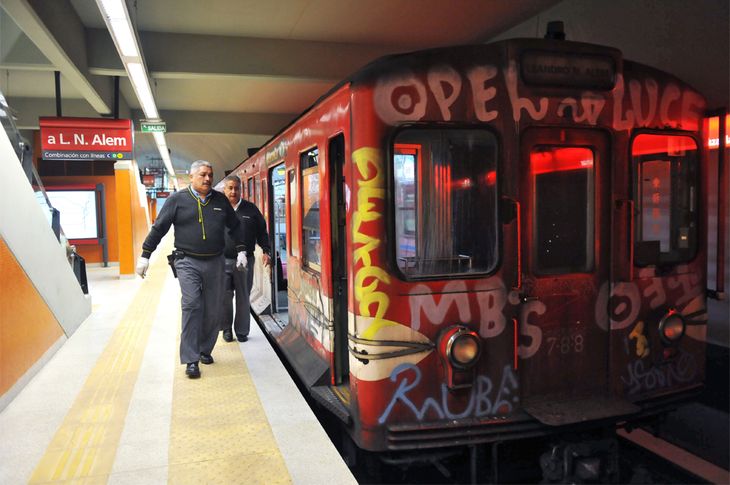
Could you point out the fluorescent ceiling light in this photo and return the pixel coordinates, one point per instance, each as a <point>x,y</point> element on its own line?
<point>114,9</point>
<point>141,85</point>
<point>117,21</point>
<point>124,36</point>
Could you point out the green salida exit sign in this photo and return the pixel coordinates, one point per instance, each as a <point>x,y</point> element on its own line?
<point>153,126</point>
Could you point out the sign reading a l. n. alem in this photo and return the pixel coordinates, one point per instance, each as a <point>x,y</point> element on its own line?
<point>86,139</point>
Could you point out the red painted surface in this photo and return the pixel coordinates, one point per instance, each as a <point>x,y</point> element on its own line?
<point>567,332</point>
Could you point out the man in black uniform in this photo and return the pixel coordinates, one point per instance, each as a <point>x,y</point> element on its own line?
<point>254,230</point>
<point>200,216</point>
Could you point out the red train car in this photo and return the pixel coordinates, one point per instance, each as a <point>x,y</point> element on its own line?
<point>488,243</point>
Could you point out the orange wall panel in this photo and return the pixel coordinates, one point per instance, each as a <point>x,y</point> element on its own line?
<point>93,253</point>
<point>28,328</point>
<point>132,218</point>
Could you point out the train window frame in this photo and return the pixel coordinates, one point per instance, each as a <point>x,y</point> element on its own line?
<point>309,169</point>
<point>496,225</point>
<point>589,262</point>
<point>642,257</point>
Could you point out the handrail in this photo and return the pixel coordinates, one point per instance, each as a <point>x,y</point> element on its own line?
<point>722,183</point>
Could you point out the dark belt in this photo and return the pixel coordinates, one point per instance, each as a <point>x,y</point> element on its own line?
<point>180,254</point>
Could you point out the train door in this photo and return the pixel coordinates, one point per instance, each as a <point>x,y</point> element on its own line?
<point>339,261</point>
<point>277,205</point>
<point>565,250</point>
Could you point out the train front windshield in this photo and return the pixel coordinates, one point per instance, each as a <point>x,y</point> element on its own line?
<point>445,184</point>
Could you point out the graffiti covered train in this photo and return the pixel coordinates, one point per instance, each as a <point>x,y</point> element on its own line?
<point>485,243</point>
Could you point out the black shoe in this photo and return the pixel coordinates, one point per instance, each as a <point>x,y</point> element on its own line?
<point>241,338</point>
<point>206,359</point>
<point>228,335</point>
<point>192,370</point>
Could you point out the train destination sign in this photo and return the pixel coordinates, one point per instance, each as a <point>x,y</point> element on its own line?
<point>568,70</point>
<point>86,139</point>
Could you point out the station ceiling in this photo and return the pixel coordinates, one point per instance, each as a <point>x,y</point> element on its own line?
<point>228,74</point>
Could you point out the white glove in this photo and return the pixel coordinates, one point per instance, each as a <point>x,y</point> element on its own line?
<point>142,265</point>
<point>241,261</point>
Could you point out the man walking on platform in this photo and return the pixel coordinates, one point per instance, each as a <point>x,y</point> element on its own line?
<point>200,216</point>
<point>254,230</point>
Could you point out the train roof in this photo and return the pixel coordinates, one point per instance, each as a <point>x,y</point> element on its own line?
<point>397,62</point>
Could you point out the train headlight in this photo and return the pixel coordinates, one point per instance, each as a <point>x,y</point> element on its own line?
<point>463,348</point>
<point>671,327</point>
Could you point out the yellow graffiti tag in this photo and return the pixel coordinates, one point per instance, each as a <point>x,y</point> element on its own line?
<point>369,190</point>
<point>642,344</point>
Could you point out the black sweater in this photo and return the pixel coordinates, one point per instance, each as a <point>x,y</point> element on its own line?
<point>254,230</point>
<point>199,227</point>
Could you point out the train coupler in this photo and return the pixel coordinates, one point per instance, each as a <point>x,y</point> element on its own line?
<point>594,461</point>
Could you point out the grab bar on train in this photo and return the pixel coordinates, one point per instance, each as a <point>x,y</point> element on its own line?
<point>722,186</point>
<point>510,211</point>
<point>626,272</point>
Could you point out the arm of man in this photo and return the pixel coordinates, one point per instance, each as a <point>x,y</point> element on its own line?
<point>262,237</point>
<point>235,231</point>
<point>158,230</point>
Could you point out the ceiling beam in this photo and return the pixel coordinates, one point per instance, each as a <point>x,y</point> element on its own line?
<point>219,122</point>
<point>27,110</point>
<point>16,49</point>
<point>177,56</point>
<point>56,30</point>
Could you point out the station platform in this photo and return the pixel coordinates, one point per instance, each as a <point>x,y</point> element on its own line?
<point>113,404</point>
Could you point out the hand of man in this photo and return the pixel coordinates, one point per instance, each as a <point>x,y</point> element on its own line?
<point>241,261</point>
<point>142,265</point>
<point>267,260</point>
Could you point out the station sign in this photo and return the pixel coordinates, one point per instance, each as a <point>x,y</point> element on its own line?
<point>564,69</point>
<point>163,195</point>
<point>153,126</point>
<point>86,139</point>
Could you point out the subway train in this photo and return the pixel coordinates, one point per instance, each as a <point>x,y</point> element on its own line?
<point>488,244</point>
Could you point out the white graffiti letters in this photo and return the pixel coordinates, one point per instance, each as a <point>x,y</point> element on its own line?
<point>402,98</point>
<point>423,302</point>
<point>533,332</point>
<point>519,103</point>
<point>636,102</point>
<point>481,93</point>
<point>438,80</point>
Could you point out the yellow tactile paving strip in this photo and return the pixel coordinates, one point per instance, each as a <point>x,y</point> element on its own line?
<point>219,431</point>
<point>84,447</point>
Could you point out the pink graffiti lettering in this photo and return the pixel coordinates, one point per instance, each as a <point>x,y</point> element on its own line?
<point>400,98</point>
<point>424,302</point>
<point>478,78</point>
<point>635,91</point>
<point>519,103</point>
<point>439,79</point>
<point>591,104</point>
<point>533,332</point>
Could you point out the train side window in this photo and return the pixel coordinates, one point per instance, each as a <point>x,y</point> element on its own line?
<point>257,191</point>
<point>250,196</point>
<point>445,203</point>
<point>293,214</point>
<point>311,245</point>
<point>665,194</point>
<point>563,209</point>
